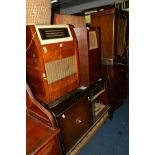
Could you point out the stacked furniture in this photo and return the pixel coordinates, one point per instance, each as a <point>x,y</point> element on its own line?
<point>77,113</point>
<point>64,73</point>
<point>113,24</point>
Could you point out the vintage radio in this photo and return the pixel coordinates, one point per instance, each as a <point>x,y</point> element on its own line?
<point>89,55</point>
<point>51,61</point>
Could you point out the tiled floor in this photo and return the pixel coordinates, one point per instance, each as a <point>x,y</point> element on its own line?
<point>112,138</point>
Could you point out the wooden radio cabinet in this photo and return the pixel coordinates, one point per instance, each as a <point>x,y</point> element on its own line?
<point>51,61</point>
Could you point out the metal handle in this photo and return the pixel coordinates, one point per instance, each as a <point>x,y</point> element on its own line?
<point>78,120</point>
<point>89,98</point>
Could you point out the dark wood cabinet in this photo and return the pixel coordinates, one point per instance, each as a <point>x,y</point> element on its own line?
<point>118,83</point>
<point>89,55</point>
<point>113,25</point>
<point>76,113</point>
<point>74,117</point>
<point>76,121</point>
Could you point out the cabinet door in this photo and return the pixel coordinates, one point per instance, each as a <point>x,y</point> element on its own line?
<point>94,55</point>
<point>106,24</point>
<point>74,122</point>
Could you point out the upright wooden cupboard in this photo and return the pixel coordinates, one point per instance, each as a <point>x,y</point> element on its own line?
<point>89,55</point>
<point>88,47</point>
<point>113,25</point>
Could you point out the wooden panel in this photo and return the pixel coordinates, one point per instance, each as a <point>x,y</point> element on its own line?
<point>51,148</point>
<point>35,111</point>
<point>105,20</point>
<point>90,63</point>
<point>117,83</point>
<point>62,87</point>
<point>113,24</point>
<point>78,119</point>
<point>55,52</point>
<point>77,21</point>
<point>81,34</point>
<point>40,138</point>
<point>122,25</point>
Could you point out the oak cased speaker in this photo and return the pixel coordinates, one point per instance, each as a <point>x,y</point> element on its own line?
<point>51,61</point>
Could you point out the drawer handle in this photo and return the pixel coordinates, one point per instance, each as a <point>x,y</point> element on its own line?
<point>89,98</point>
<point>78,120</point>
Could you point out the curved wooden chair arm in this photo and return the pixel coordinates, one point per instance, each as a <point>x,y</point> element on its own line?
<point>39,106</point>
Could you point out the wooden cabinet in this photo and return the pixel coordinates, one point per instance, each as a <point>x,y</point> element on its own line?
<point>118,83</point>
<point>78,119</point>
<point>40,138</point>
<point>89,55</point>
<point>74,113</point>
<point>113,27</point>
<point>74,117</point>
<point>51,61</point>
<point>88,46</point>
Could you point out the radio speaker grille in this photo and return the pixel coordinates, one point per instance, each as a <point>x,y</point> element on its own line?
<point>59,69</point>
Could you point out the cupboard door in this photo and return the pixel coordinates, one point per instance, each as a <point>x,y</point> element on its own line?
<point>106,24</point>
<point>74,122</point>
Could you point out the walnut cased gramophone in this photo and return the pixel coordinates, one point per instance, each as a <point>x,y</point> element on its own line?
<point>51,61</point>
